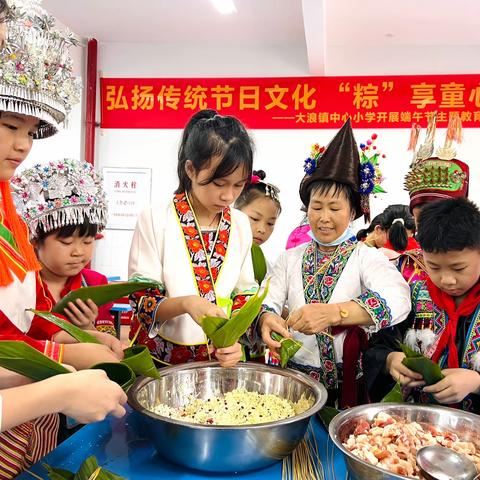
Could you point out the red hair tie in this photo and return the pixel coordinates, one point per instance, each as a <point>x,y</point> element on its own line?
<point>255,179</point>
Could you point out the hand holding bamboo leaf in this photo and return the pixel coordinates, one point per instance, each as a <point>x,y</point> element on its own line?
<point>456,384</point>
<point>401,373</point>
<point>288,348</point>
<point>430,371</point>
<point>103,294</point>
<point>82,313</point>
<point>269,323</point>
<point>227,333</point>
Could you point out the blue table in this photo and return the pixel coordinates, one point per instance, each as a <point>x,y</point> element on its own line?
<point>120,447</point>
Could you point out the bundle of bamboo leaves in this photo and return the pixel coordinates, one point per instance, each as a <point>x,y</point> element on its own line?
<point>25,360</point>
<point>415,361</point>
<point>89,470</point>
<point>224,332</point>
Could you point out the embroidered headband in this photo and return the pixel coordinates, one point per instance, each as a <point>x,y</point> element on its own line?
<point>59,193</point>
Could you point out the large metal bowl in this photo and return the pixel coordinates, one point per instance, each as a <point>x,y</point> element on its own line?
<point>218,448</point>
<point>465,425</point>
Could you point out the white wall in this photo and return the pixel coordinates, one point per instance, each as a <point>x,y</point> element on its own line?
<point>279,152</point>
<point>69,141</point>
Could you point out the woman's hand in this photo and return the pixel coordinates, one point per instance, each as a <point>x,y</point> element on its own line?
<point>402,374</point>
<point>456,385</point>
<point>198,307</point>
<point>83,314</point>
<point>314,317</point>
<point>270,322</point>
<point>229,356</point>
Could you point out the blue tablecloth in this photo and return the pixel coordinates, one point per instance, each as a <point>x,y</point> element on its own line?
<point>120,447</point>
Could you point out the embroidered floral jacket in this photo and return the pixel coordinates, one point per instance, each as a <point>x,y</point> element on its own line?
<point>356,272</point>
<point>168,246</point>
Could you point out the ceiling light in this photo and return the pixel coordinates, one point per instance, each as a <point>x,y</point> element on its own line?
<point>225,7</point>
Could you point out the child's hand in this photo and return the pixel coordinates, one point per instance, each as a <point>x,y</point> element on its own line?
<point>88,396</point>
<point>198,307</point>
<point>83,314</point>
<point>270,322</point>
<point>229,356</point>
<point>456,385</point>
<point>402,374</point>
<point>85,355</point>
<point>113,343</point>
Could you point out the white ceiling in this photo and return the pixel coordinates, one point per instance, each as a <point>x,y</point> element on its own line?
<point>314,25</point>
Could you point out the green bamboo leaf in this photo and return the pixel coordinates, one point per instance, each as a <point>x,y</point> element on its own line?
<point>259,263</point>
<point>394,395</point>
<point>89,467</point>
<point>58,473</point>
<point>430,371</point>
<point>326,415</point>
<point>119,373</point>
<point>21,358</point>
<point>138,358</point>
<point>103,294</point>
<point>77,333</point>
<point>409,352</point>
<point>288,349</point>
<point>231,331</point>
<point>211,324</point>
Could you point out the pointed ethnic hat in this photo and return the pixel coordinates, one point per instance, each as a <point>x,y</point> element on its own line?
<point>342,162</point>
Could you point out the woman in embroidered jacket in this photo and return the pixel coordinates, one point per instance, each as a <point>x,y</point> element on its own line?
<point>444,323</point>
<point>336,288</point>
<point>196,246</point>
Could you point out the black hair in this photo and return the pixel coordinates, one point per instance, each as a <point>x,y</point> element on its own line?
<point>5,12</point>
<point>194,119</point>
<point>397,230</point>
<point>449,225</point>
<point>208,135</point>
<point>85,229</point>
<point>364,232</point>
<point>257,190</point>
<point>323,186</point>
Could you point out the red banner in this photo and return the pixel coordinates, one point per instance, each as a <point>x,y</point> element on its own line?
<point>292,102</point>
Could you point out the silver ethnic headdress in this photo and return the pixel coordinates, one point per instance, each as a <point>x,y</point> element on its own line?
<point>36,76</point>
<point>59,193</point>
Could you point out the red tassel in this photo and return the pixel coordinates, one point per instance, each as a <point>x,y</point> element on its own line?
<point>20,233</point>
